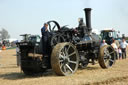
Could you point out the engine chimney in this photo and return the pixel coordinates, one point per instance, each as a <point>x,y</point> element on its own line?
<point>88,18</point>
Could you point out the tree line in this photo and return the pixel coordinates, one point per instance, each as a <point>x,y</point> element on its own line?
<point>4,34</point>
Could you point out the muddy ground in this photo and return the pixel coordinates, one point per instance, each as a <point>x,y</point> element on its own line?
<point>10,74</point>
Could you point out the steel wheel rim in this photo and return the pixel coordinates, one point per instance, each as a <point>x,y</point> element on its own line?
<point>109,56</point>
<point>68,60</point>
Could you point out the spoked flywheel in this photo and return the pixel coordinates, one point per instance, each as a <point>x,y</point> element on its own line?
<point>53,26</point>
<point>64,59</point>
<point>106,56</point>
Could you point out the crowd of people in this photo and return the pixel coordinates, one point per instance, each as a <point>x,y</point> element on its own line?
<point>120,50</point>
<point>2,46</point>
<point>6,44</point>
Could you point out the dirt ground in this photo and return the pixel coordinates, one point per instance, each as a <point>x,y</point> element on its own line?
<point>10,74</point>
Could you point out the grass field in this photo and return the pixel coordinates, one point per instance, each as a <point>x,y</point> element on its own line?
<point>10,74</point>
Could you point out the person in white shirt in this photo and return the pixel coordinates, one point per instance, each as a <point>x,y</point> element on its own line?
<point>103,43</point>
<point>115,48</point>
<point>123,45</point>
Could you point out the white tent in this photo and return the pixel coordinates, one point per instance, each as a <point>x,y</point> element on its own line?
<point>95,31</point>
<point>11,40</point>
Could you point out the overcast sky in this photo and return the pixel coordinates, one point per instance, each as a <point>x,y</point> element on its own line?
<point>28,16</point>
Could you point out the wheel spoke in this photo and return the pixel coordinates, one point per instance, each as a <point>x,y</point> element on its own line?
<point>111,52</point>
<point>74,62</point>
<point>69,68</point>
<point>63,53</point>
<point>49,27</point>
<point>61,56</point>
<point>61,61</point>
<point>105,53</point>
<point>53,27</point>
<point>105,56</point>
<point>111,60</point>
<point>68,48</point>
<point>105,60</point>
<point>64,68</point>
<point>72,54</point>
<point>66,51</point>
<point>61,65</point>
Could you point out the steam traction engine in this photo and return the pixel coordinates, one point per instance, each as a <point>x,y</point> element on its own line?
<point>68,49</point>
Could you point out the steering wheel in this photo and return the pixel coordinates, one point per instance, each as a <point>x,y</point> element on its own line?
<point>53,26</point>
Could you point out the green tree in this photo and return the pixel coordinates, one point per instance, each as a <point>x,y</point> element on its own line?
<point>4,34</point>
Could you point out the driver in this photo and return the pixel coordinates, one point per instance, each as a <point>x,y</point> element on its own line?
<point>44,29</point>
<point>45,46</point>
<point>81,27</point>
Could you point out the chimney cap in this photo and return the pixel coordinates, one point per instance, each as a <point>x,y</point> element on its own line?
<point>87,9</point>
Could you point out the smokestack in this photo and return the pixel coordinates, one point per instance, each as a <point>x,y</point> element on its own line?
<point>88,18</point>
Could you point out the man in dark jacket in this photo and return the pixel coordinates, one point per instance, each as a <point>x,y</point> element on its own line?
<point>45,35</point>
<point>45,45</point>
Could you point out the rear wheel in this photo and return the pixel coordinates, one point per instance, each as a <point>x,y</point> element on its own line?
<point>106,56</point>
<point>64,59</point>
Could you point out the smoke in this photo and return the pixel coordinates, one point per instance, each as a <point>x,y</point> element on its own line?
<point>121,12</point>
<point>2,1</point>
<point>86,3</point>
<point>123,8</point>
<point>123,15</point>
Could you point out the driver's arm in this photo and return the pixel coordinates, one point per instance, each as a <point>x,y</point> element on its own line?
<point>46,29</point>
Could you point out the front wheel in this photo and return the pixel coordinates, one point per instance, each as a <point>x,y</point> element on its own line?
<point>107,56</point>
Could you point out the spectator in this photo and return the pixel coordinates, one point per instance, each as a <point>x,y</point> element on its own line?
<point>120,53</point>
<point>123,48</point>
<point>115,47</point>
<point>103,43</point>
